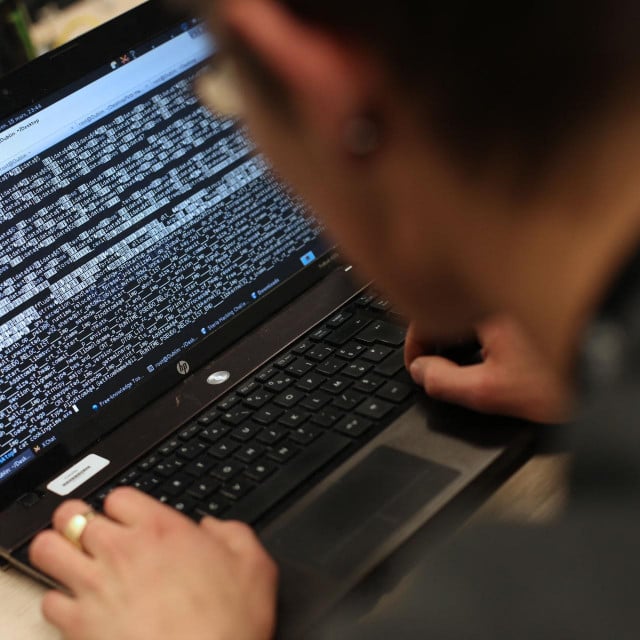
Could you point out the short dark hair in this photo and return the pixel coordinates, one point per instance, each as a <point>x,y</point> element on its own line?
<point>515,75</point>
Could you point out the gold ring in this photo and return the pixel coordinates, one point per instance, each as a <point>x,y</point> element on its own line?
<point>76,526</point>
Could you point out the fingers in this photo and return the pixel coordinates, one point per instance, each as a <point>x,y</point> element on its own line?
<point>58,558</point>
<point>99,532</point>
<point>60,610</point>
<point>131,507</point>
<point>413,347</point>
<point>446,381</point>
<point>63,514</point>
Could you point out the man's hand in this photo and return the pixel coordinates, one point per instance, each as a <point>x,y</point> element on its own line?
<point>512,380</point>
<point>149,573</point>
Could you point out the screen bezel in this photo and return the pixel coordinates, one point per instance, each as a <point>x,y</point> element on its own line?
<point>38,80</point>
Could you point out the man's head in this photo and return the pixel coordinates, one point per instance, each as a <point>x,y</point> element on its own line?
<point>480,117</point>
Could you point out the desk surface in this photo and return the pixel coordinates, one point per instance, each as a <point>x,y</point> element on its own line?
<point>536,493</point>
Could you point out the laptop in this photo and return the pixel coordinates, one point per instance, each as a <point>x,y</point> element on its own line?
<point>172,318</point>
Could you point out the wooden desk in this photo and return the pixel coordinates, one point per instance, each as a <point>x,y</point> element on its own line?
<point>536,493</point>
<point>20,617</point>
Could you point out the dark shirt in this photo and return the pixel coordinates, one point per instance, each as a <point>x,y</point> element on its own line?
<point>575,579</point>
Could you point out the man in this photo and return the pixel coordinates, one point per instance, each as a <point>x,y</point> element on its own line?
<point>479,161</point>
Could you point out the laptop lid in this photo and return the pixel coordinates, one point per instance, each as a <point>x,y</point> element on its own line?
<point>139,236</point>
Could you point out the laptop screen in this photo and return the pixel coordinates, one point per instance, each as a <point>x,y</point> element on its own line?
<point>132,225</point>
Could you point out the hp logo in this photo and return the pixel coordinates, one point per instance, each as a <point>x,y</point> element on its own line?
<point>183,367</point>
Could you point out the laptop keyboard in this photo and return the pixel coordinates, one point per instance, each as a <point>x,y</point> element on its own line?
<point>324,397</point>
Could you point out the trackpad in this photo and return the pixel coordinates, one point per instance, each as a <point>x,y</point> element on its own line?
<point>347,523</point>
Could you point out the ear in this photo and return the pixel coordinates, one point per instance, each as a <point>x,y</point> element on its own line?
<point>329,79</point>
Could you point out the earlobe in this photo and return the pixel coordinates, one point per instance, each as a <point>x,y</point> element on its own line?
<point>362,136</point>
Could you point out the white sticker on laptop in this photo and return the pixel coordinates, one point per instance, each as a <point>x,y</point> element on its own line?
<point>77,475</point>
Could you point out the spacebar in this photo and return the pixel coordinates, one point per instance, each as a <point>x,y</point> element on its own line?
<point>289,478</point>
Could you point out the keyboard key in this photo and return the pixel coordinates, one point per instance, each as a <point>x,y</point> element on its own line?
<point>310,382</point>
<point>381,304</point>
<point>227,470</point>
<point>188,432</point>
<point>236,416</point>
<point>330,367</point>
<point>339,319</point>
<point>161,496</point>
<point>236,489</point>
<point>257,399</point>
<point>215,507</point>
<point>266,374</point>
<point>261,470</point>
<point>319,334</point>
<point>347,332</point>
<point>289,398</point>
<point>357,369</point>
<point>199,468</point>
<point>384,332</point>
<point>166,448</point>
<point>293,418</point>
<point>268,414</point>
<point>228,403</point>
<point>223,448</point>
<point>374,408</point>
<point>146,483</point>
<point>377,353</point>
<point>305,434</point>
<point>203,488</point>
<point>285,361</point>
<point>368,384</point>
<point>365,300</point>
<point>351,351</point>
<point>191,450</point>
<point>272,435</point>
<point>395,392</point>
<point>177,485</point>
<point>283,452</point>
<point>149,462</point>
<point>247,389</point>
<point>183,505</point>
<point>208,417</point>
<point>245,432</point>
<point>302,347</point>
<point>300,367</point>
<point>316,400</point>
<point>392,365</point>
<point>319,353</point>
<point>168,467</point>
<point>279,382</point>
<point>353,426</point>
<point>154,480</point>
<point>249,453</point>
<point>128,478</point>
<point>348,400</point>
<point>336,385</point>
<point>213,433</point>
<point>325,418</point>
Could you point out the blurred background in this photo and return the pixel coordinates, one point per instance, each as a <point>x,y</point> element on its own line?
<point>29,28</point>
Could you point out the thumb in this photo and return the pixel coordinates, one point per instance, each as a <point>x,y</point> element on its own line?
<point>447,381</point>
